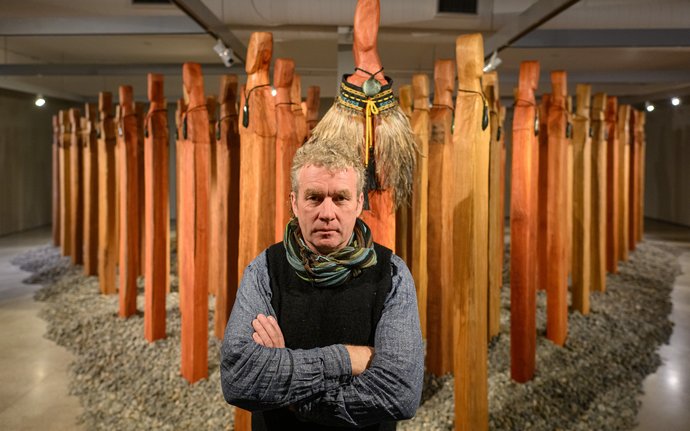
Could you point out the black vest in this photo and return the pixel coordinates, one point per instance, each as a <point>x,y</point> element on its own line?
<point>312,316</point>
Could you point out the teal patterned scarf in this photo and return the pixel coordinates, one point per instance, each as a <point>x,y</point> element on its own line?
<point>334,268</point>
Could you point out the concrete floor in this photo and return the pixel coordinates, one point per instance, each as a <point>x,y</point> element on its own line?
<point>33,370</point>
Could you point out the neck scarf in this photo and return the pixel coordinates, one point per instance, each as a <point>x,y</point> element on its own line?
<point>334,268</point>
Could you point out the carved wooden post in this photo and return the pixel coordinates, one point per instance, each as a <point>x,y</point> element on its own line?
<point>180,111</point>
<point>441,259</point>
<point>313,103</point>
<point>403,234</point>
<point>76,188</point>
<point>90,157</point>
<point>107,228</point>
<point>420,194</point>
<point>257,164</point>
<point>193,230</point>
<point>598,191</point>
<point>569,182</point>
<point>301,127</point>
<point>623,132</point>
<point>56,182</point>
<point>470,237</point>
<point>556,238</point>
<point>65,184</point>
<point>633,187</point>
<point>543,261</point>
<point>228,187</point>
<point>523,225</point>
<point>641,142</point>
<point>214,211</point>
<point>140,110</point>
<point>612,185</point>
<point>157,213</point>
<point>286,142</point>
<point>130,215</point>
<point>582,201</point>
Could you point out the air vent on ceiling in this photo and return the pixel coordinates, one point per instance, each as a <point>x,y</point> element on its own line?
<point>457,6</point>
<point>150,2</point>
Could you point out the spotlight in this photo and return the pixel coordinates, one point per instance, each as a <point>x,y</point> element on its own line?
<point>648,106</point>
<point>675,101</point>
<point>40,101</point>
<point>224,53</point>
<point>493,63</point>
<point>273,92</point>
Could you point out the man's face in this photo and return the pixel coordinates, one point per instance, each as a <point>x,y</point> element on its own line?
<point>327,205</point>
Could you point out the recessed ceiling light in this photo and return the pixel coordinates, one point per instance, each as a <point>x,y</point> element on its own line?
<point>649,107</point>
<point>675,101</point>
<point>40,101</point>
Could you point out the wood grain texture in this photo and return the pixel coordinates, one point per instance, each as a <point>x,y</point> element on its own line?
<point>90,172</point>
<point>582,201</point>
<point>633,188</point>
<point>76,188</point>
<point>570,163</point>
<point>543,193</point>
<point>140,110</point>
<point>107,228</point>
<point>612,185</point>
<point>598,191</point>
<point>440,260</point>
<point>65,184</point>
<point>228,186</point>
<point>55,181</point>
<point>180,111</point>
<point>623,131</point>
<point>470,238</point>
<point>556,235</point>
<point>301,127</point>
<point>523,226</point>
<point>403,214</point>
<point>420,194</point>
<point>313,104</point>
<point>214,212</point>
<point>157,211</point>
<point>642,148</point>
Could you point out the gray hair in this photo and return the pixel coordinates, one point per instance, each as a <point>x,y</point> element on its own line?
<point>334,155</point>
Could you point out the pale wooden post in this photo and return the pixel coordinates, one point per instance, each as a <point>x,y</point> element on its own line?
<point>403,214</point>
<point>76,188</point>
<point>598,191</point>
<point>228,186</point>
<point>420,194</point>
<point>55,182</point>
<point>543,261</point>
<point>523,226</point>
<point>257,165</point>
<point>440,259</point>
<point>470,237</point>
<point>91,208</point>
<point>612,185</point>
<point>130,214</point>
<point>157,212</point>
<point>556,235</point>
<point>623,131</point>
<point>286,142</point>
<point>582,201</point>
<point>107,228</point>
<point>65,184</point>
<point>301,127</point>
<point>633,188</point>
<point>642,149</point>
<point>570,163</point>
<point>313,103</point>
<point>193,230</point>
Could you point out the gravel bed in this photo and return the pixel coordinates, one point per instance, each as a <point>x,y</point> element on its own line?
<point>125,383</point>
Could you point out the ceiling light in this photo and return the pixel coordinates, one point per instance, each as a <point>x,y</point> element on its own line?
<point>493,63</point>
<point>224,53</point>
<point>648,106</point>
<point>273,92</point>
<point>675,101</point>
<point>40,101</point>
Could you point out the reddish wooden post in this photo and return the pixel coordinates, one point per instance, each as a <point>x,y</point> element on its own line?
<point>441,258</point>
<point>56,182</point>
<point>214,211</point>
<point>90,158</point>
<point>257,164</point>
<point>301,127</point>
<point>582,201</point>
<point>556,238</point>
<point>470,237</point>
<point>612,185</point>
<point>633,188</point>
<point>140,110</point>
<point>130,215</point>
<point>157,213</point>
<point>76,189</point>
<point>523,225</point>
<point>180,111</point>
<point>313,103</point>
<point>228,186</point>
<point>569,184</point>
<point>107,228</point>
<point>623,132</point>
<point>286,142</point>
<point>403,214</point>
<point>541,124</point>
<point>420,194</point>
<point>641,150</point>
<point>193,230</point>
<point>598,191</point>
<point>65,184</point>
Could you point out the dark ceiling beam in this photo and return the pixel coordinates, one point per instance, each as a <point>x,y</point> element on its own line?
<point>605,38</point>
<point>529,20</point>
<point>73,69</point>
<point>203,16</point>
<point>80,26</point>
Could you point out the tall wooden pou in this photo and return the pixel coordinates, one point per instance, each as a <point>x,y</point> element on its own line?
<point>421,128</point>
<point>214,212</point>
<point>157,212</point>
<point>612,185</point>
<point>193,229</point>
<point>598,191</point>
<point>541,125</point>
<point>301,127</point>
<point>403,215</point>
<point>633,188</point>
<point>313,103</point>
<point>641,150</point>
<point>569,164</point>
<point>90,172</point>
<point>180,110</point>
<point>286,142</point>
<point>440,257</point>
<point>470,237</point>
<point>228,188</point>
<point>257,164</point>
<point>130,214</point>
<point>556,235</point>
<point>140,111</point>
<point>107,228</point>
<point>55,181</point>
<point>623,132</point>
<point>65,184</point>
<point>76,188</point>
<point>582,201</point>
<point>523,226</point>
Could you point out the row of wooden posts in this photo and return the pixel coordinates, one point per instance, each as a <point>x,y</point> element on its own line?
<point>576,202</point>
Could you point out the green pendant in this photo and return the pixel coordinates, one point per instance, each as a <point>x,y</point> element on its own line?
<point>485,117</point>
<point>371,87</point>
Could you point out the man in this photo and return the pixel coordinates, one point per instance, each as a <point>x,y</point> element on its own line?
<point>325,330</point>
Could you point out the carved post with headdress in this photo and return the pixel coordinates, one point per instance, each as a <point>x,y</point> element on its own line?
<point>76,188</point>
<point>598,190</point>
<point>65,184</point>
<point>90,172</point>
<point>107,227</point>
<point>612,193</point>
